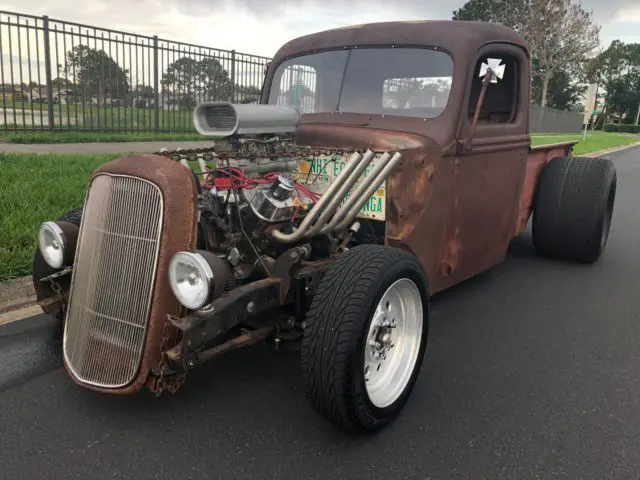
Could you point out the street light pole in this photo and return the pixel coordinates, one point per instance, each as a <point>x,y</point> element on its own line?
<point>638,116</point>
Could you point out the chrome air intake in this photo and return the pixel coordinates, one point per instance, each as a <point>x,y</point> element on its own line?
<point>224,119</point>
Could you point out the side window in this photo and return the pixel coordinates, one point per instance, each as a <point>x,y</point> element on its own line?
<point>298,88</point>
<point>502,98</point>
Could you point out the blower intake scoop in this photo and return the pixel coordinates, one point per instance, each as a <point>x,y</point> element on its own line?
<point>225,119</point>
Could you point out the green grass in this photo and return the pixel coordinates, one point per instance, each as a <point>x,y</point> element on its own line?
<point>35,188</point>
<point>595,141</point>
<point>90,137</point>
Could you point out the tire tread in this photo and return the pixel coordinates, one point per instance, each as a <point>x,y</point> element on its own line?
<point>333,323</point>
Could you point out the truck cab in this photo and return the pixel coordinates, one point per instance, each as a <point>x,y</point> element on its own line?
<point>416,86</point>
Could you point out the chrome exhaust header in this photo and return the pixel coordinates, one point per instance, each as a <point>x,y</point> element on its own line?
<point>340,194</point>
<point>326,198</point>
<point>351,208</point>
<point>327,216</point>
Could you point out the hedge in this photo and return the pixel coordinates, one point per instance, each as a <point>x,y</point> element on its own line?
<point>621,128</point>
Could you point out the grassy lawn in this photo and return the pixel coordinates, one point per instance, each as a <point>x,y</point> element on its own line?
<point>35,188</point>
<point>595,141</point>
<point>90,137</point>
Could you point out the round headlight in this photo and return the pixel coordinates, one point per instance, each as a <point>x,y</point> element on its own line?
<point>190,277</point>
<point>52,242</point>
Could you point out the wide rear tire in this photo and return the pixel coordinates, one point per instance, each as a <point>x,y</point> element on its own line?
<point>365,337</point>
<point>573,208</point>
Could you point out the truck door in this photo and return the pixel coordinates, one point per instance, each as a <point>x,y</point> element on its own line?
<point>488,172</point>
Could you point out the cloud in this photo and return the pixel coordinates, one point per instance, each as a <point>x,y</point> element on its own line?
<point>261,26</point>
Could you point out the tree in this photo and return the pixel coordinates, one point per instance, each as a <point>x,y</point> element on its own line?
<point>206,78</point>
<point>624,97</point>
<point>143,95</point>
<point>61,84</point>
<point>96,73</point>
<point>507,12</point>
<point>615,70</point>
<point>247,94</point>
<point>559,32</point>
<point>560,35</point>
<point>566,89</point>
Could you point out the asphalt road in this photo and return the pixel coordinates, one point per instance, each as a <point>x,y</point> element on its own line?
<point>532,372</point>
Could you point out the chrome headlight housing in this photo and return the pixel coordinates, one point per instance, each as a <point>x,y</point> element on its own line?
<point>52,243</point>
<point>191,279</point>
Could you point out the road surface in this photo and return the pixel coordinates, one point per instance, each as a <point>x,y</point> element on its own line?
<point>532,372</point>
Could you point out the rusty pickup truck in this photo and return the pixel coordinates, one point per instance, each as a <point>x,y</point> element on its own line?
<point>383,163</point>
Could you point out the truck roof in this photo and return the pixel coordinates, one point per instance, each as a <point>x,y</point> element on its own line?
<point>459,38</point>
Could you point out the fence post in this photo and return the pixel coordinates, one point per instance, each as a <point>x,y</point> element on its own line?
<point>47,70</point>
<point>233,75</point>
<point>156,80</point>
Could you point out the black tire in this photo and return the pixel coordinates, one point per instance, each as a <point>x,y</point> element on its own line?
<point>41,269</point>
<point>573,208</point>
<point>335,335</point>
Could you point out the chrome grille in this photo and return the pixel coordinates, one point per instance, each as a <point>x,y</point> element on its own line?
<point>113,280</point>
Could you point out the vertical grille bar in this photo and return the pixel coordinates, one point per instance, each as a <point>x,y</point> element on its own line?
<point>113,280</point>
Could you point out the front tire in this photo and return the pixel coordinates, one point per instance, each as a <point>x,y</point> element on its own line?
<point>573,208</point>
<point>365,336</point>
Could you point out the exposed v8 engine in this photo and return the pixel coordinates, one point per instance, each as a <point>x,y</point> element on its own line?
<point>261,193</point>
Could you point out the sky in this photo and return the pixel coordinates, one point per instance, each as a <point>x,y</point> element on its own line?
<point>259,27</point>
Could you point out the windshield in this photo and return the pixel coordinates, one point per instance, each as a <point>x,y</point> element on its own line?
<point>413,82</point>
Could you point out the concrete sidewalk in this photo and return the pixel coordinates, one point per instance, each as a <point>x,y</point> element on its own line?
<point>102,147</point>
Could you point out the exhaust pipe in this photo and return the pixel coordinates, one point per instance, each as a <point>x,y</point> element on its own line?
<point>348,212</point>
<point>340,194</point>
<point>298,234</point>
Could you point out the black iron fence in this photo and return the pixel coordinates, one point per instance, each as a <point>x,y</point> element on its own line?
<point>59,75</point>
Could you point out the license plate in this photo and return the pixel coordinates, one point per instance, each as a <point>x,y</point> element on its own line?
<point>319,172</point>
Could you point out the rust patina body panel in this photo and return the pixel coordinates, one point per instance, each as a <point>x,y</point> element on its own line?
<point>460,194</point>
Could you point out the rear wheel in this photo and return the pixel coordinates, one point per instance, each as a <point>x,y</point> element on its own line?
<point>573,208</point>
<point>365,336</point>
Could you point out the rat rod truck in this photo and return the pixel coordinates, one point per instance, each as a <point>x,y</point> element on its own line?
<point>384,163</point>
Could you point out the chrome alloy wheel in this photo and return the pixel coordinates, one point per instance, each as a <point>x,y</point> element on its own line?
<point>393,343</point>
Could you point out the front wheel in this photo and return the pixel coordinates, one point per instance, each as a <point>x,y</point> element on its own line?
<point>365,337</point>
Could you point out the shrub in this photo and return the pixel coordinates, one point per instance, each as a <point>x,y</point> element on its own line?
<point>621,128</point>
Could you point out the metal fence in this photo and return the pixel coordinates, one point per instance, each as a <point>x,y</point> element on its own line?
<point>549,120</point>
<point>59,75</point>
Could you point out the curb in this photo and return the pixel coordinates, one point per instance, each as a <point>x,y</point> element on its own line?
<point>17,300</point>
<point>610,150</point>
<point>16,293</point>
